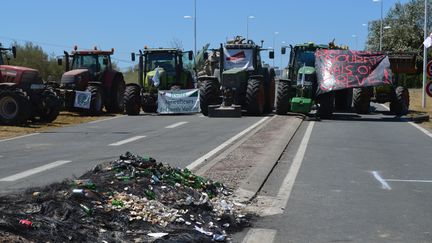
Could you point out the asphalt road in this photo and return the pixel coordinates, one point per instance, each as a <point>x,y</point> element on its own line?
<point>52,156</point>
<point>352,179</point>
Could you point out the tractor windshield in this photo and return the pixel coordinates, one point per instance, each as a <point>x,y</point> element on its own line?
<point>306,58</point>
<point>160,59</point>
<point>94,63</point>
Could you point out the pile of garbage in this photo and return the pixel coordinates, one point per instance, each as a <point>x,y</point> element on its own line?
<point>132,199</point>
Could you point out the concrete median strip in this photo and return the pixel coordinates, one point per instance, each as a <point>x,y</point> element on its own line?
<point>247,166</point>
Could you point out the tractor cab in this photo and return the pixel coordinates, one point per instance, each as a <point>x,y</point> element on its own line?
<point>164,69</point>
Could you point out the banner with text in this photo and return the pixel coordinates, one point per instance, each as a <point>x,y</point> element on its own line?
<point>178,101</point>
<point>341,69</point>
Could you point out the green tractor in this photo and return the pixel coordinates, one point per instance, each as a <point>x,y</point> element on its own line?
<point>296,91</point>
<point>240,82</point>
<point>396,94</point>
<point>158,69</point>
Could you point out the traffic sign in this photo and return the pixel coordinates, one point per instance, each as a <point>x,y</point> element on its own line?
<point>429,88</point>
<point>429,69</point>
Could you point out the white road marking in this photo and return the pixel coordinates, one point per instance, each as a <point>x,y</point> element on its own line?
<point>35,170</point>
<point>201,115</point>
<point>419,181</point>
<point>384,184</point>
<point>107,119</point>
<point>23,136</point>
<point>281,200</point>
<point>414,125</point>
<point>259,235</point>
<point>126,141</point>
<point>421,129</point>
<point>208,155</point>
<point>176,124</point>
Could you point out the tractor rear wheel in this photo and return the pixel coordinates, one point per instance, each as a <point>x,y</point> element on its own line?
<point>115,103</point>
<point>361,100</point>
<point>400,101</point>
<point>326,104</point>
<point>270,93</point>
<point>149,104</point>
<point>255,97</point>
<point>209,91</point>
<point>51,105</point>
<point>96,102</point>
<point>132,100</point>
<point>15,108</point>
<point>283,100</point>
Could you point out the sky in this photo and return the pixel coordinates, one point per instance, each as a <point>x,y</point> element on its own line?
<point>129,25</point>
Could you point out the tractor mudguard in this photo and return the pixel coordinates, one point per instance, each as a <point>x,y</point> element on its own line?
<point>94,83</point>
<point>8,85</point>
<point>258,77</point>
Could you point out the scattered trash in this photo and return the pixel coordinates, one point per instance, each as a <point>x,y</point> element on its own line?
<point>134,193</point>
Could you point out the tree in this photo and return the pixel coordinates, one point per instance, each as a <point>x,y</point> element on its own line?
<point>406,28</point>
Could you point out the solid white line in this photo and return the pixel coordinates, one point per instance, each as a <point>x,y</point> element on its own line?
<point>285,190</point>
<point>23,136</point>
<point>126,141</point>
<point>259,235</point>
<point>203,158</point>
<point>35,170</point>
<point>384,184</point>
<point>420,181</point>
<point>421,129</point>
<point>414,125</point>
<point>176,124</point>
<point>107,119</point>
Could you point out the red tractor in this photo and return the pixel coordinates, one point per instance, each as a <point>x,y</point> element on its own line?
<point>90,82</point>
<point>23,95</point>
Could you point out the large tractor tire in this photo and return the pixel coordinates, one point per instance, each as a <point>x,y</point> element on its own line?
<point>400,101</point>
<point>343,99</point>
<point>15,108</point>
<point>132,100</point>
<point>270,90</point>
<point>255,97</point>
<point>209,95</point>
<point>51,105</point>
<point>114,103</point>
<point>96,102</point>
<point>361,100</point>
<point>326,105</point>
<point>283,100</point>
<point>149,104</point>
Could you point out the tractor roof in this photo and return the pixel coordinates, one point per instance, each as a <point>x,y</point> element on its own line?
<point>311,45</point>
<point>92,52</point>
<point>169,50</point>
<point>240,46</point>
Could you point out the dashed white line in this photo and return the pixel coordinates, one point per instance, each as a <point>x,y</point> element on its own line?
<point>35,170</point>
<point>208,155</point>
<point>23,136</point>
<point>281,200</point>
<point>126,141</point>
<point>177,124</point>
<point>107,119</point>
<point>259,235</point>
<point>384,184</point>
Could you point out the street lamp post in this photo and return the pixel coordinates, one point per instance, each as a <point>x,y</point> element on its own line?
<point>274,45</point>
<point>247,26</point>
<point>381,24</point>
<point>356,40</point>
<point>195,27</point>
<point>424,54</point>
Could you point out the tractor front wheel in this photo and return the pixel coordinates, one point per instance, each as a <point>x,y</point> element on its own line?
<point>96,102</point>
<point>149,104</point>
<point>132,100</point>
<point>209,91</point>
<point>400,101</point>
<point>283,100</point>
<point>255,97</point>
<point>361,100</point>
<point>15,108</point>
<point>115,103</point>
<point>51,105</point>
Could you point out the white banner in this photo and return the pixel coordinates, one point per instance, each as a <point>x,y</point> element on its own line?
<point>238,58</point>
<point>82,99</point>
<point>178,101</point>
